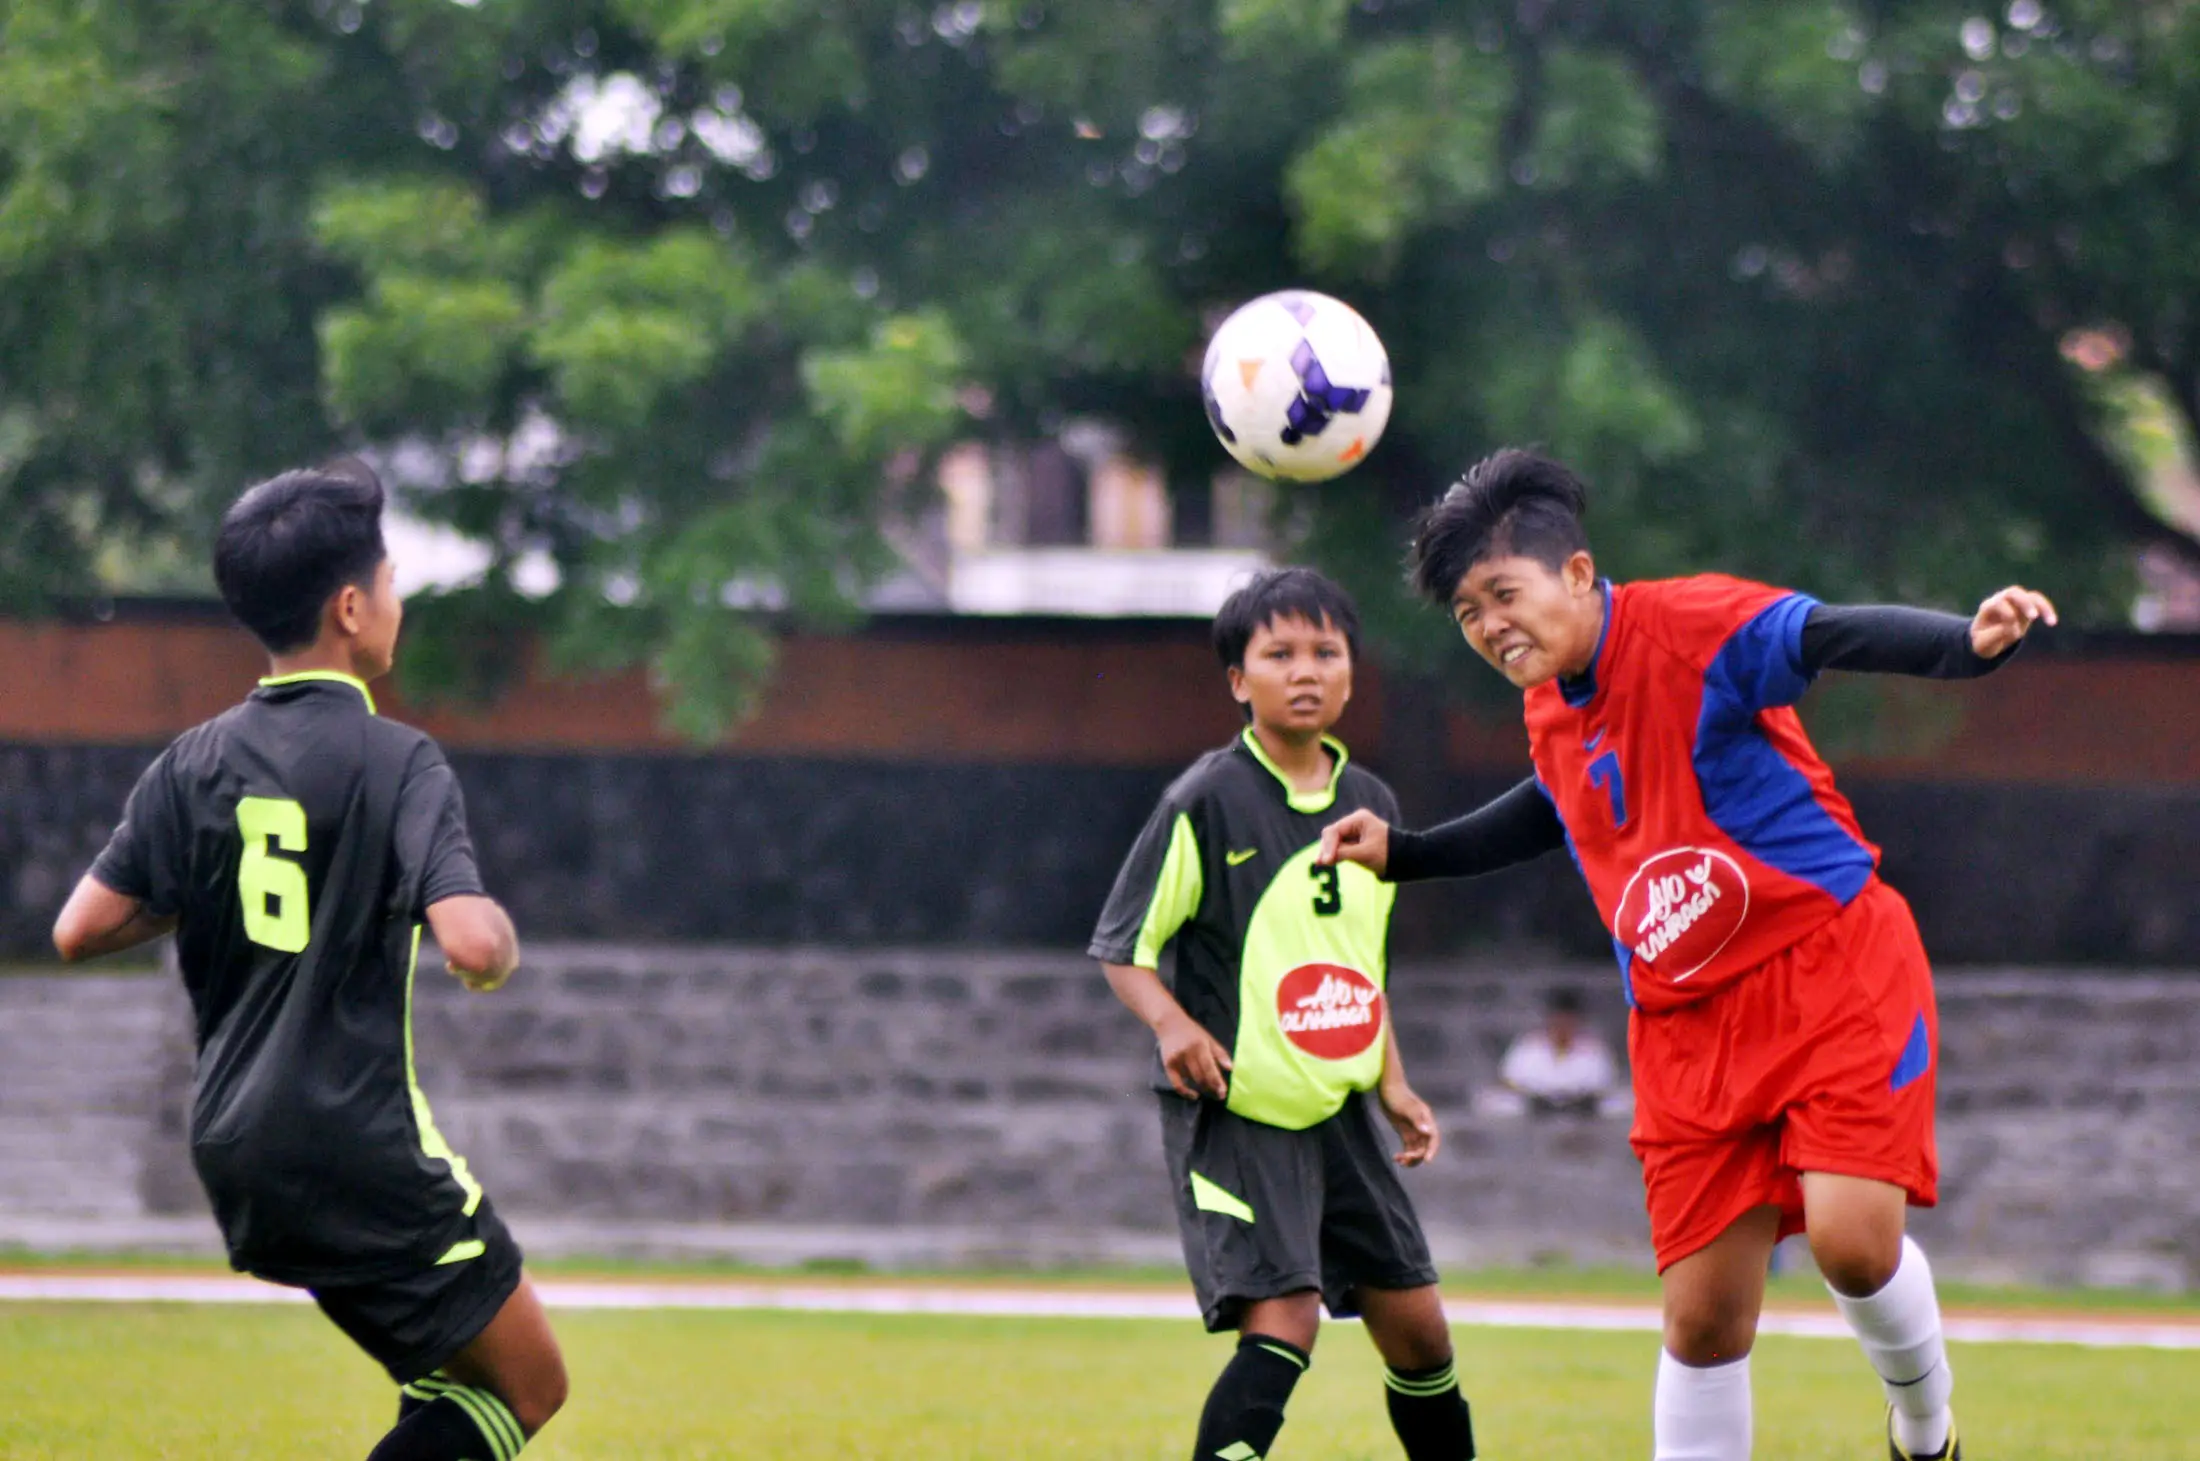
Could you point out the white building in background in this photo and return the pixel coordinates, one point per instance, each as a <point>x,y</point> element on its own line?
<point>1078,527</point>
<point>1069,526</point>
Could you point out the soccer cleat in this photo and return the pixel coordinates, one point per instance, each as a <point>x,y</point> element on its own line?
<point>1952,1451</point>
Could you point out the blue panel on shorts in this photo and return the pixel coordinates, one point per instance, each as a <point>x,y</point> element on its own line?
<point>1917,1057</point>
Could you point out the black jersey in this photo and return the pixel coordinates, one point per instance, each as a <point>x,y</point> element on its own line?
<point>298,839</point>
<point>1282,961</point>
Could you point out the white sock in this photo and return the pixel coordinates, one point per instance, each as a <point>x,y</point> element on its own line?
<point>1701,1414</point>
<point>1899,1328</point>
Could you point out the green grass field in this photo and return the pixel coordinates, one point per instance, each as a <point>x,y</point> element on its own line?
<point>183,1381</point>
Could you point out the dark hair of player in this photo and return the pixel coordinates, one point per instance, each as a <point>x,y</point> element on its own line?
<point>286,545</point>
<point>1564,1001</point>
<point>1511,503</point>
<point>1282,593</point>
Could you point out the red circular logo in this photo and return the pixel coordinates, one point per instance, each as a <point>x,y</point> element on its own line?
<point>1329,1011</point>
<point>1680,908</point>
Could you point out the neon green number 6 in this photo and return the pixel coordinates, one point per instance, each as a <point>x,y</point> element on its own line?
<point>273,888</point>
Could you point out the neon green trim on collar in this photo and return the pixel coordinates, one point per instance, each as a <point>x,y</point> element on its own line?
<point>1303,801</point>
<point>269,682</point>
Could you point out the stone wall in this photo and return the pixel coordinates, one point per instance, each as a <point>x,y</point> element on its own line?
<point>926,1106</point>
<point>786,850</point>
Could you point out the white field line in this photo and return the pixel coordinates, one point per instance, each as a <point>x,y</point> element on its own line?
<point>2137,1331</point>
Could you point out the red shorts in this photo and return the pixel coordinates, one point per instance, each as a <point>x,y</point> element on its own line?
<point>1821,1059</point>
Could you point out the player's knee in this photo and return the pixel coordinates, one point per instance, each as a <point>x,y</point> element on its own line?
<point>1856,1264</point>
<point>542,1397</point>
<point>1417,1345</point>
<point>1424,1351</point>
<point>1708,1335</point>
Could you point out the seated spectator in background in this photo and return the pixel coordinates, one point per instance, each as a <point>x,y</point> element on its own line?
<point>1562,1068</point>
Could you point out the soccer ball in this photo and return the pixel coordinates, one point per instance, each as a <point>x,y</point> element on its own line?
<point>1297,386</point>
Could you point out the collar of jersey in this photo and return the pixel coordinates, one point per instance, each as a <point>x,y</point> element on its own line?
<point>271,682</point>
<point>1302,801</point>
<point>1582,688</point>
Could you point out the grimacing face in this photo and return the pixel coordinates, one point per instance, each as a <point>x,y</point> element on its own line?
<point>1296,676</point>
<point>1531,622</point>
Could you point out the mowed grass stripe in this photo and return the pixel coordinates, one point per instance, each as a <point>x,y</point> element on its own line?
<point>261,1382</point>
<point>2099,1331</point>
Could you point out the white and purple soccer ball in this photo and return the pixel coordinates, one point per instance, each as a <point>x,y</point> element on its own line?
<point>1297,386</point>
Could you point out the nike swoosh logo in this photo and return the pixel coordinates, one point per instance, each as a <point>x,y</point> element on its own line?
<point>1594,741</point>
<point>1234,858</point>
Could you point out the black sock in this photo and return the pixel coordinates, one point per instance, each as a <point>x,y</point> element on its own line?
<point>440,1421</point>
<point>1245,1409</point>
<point>1429,1414</point>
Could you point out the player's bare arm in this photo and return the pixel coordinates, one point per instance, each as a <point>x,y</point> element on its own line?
<point>98,920</point>
<point>479,944</point>
<point>1409,1115</point>
<point>1194,1060</point>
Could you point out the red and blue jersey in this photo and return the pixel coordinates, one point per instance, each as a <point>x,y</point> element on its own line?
<point>1706,824</point>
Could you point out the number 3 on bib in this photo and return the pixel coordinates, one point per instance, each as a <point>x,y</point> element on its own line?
<point>273,888</point>
<point>1328,897</point>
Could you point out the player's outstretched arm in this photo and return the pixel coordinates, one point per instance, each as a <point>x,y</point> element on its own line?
<point>1891,639</point>
<point>478,941</point>
<point>1194,1060</point>
<point>1515,827</point>
<point>98,920</point>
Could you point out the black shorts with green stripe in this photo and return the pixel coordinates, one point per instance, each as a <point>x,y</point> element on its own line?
<point>415,1323</point>
<point>1264,1211</point>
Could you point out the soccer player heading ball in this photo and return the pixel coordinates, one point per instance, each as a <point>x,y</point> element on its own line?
<point>296,843</point>
<point>1783,1032</point>
<point>1276,1027</point>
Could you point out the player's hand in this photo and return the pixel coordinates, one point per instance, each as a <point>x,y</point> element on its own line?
<point>484,982</point>
<point>1362,837</point>
<point>2005,618</point>
<point>1195,1060</point>
<point>1414,1122</point>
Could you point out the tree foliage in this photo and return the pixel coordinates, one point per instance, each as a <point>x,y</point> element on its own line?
<point>680,294</point>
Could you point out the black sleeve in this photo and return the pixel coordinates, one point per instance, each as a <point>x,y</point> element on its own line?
<point>1891,639</point>
<point>435,852</point>
<point>1515,827</point>
<point>143,858</point>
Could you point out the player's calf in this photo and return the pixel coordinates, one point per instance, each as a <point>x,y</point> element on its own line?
<point>1702,1409</point>
<point>1420,1379</point>
<point>1244,1410</point>
<point>1883,1286</point>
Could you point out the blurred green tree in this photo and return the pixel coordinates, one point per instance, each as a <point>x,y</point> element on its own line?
<point>679,295</point>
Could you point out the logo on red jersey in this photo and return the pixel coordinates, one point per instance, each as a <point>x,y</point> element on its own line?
<point>1680,908</point>
<point>1329,1011</point>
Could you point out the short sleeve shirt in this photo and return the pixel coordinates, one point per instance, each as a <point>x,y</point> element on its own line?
<point>1283,962</point>
<point>299,839</point>
<point>1706,824</point>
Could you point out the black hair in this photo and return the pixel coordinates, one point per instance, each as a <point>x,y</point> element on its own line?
<point>1511,502</point>
<point>1282,593</point>
<point>1564,1001</point>
<point>289,543</point>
